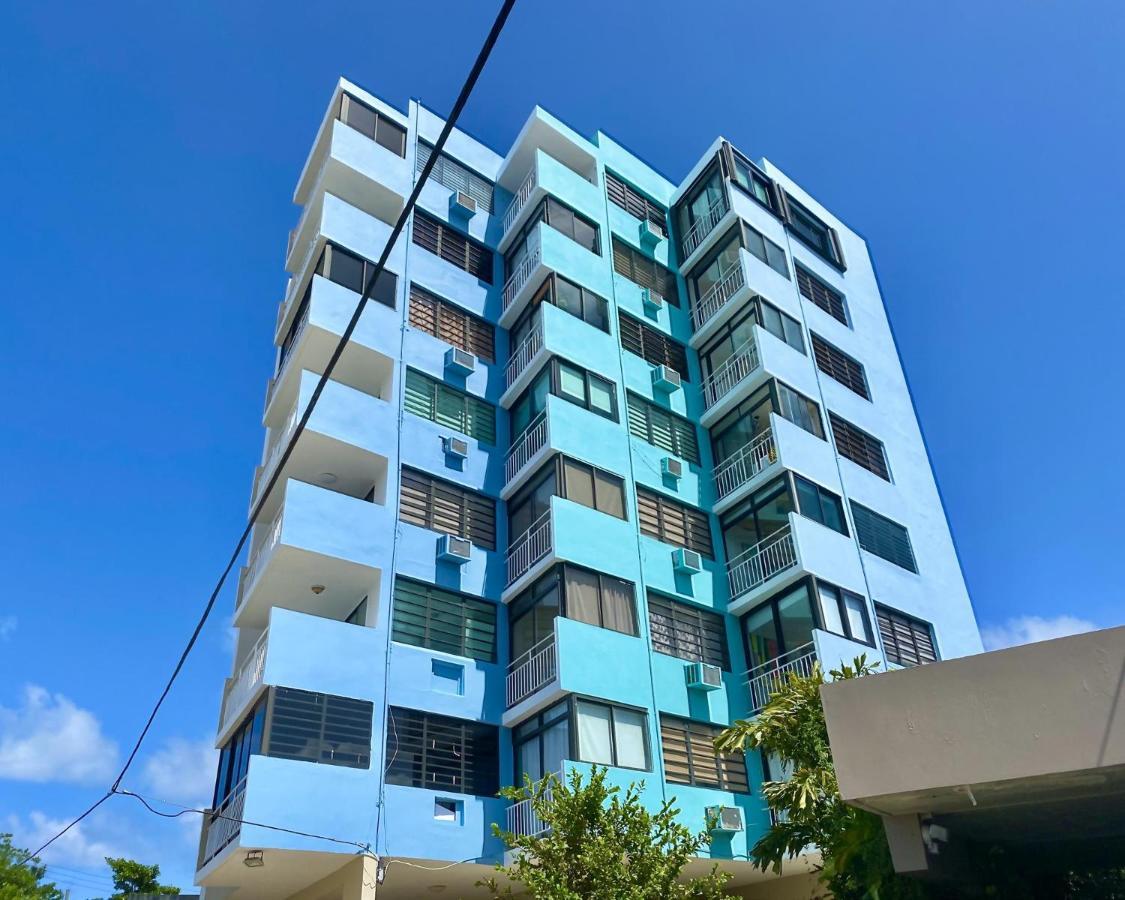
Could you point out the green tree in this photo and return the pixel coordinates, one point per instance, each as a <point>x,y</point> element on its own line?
<point>23,880</point>
<point>602,843</point>
<point>132,877</point>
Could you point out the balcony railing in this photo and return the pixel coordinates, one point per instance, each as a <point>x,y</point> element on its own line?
<point>761,562</point>
<point>523,354</point>
<point>731,283</point>
<point>522,273</point>
<point>751,459</point>
<point>521,818</point>
<point>765,679</point>
<point>703,227</point>
<point>277,448</point>
<point>222,826</point>
<point>260,555</point>
<point>249,676</point>
<point>532,546</point>
<point>287,355</point>
<point>530,442</point>
<point>519,201</point>
<point>532,670</point>
<point>723,380</point>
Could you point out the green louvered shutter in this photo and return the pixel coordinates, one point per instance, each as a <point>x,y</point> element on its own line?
<point>419,398</point>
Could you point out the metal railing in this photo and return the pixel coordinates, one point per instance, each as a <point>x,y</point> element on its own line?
<point>761,562</point>
<point>733,280</point>
<point>223,825</point>
<point>521,818</point>
<point>742,363</point>
<point>519,201</point>
<point>262,475</point>
<point>523,354</point>
<point>261,554</point>
<point>765,679</point>
<point>703,227</point>
<point>522,273</point>
<point>532,546</point>
<point>249,676</point>
<point>532,670</point>
<point>530,442</point>
<point>736,470</point>
<point>287,357</point>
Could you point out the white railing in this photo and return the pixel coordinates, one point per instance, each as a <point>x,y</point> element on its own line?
<point>763,680</point>
<point>519,201</point>
<point>751,459</point>
<point>761,562</point>
<point>722,381</point>
<point>710,303</point>
<point>523,354</point>
<point>298,333</point>
<point>277,448</point>
<point>248,677</point>
<point>520,276</point>
<point>530,442</point>
<point>532,546</point>
<point>532,670</point>
<point>308,207</point>
<point>521,818</point>
<point>703,227</point>
<point>261,553</point>
<point>223,825</point>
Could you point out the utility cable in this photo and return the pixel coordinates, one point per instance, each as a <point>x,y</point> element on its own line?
<point>396,231</point>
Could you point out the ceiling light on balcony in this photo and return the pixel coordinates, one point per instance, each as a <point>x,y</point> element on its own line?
<point>328,478</point>
<point>254,859</point>
<point>317,589</point>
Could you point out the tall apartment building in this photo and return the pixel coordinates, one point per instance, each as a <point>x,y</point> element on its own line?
<point>605,455</point>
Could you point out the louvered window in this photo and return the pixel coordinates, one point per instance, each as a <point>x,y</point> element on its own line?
<point>662,429</point>
<point>820,294</point>
<point>373,123</point>
<point>452,246</point>
<point>448,508</point>
<point>879,535</point>
<point>836,364</point>
<point>812,231</point>
<point>450,407</point>
<point>651,345</point>
<point>426,616</point>
<point>860,447</point>
<point>425,750</point>
<point>687,631</point>
<point>354,272</point>
<point>906,640</point>
<point>690,757</point>
<point>648,273</point>
<point>453,175</point>
<point>450,323</point>
<point>673,522</point>
<point>321,728</point>
<point>634,203</point>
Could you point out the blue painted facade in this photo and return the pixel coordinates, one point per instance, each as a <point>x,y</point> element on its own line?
<point>334,531</point>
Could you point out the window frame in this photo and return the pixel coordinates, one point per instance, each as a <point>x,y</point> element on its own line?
<point>464,603</point>
<point>891,614</point>
<point>579,700</point>
<point>325,743</point>
<point>381,118</point>
<point>822,295</point>
<point>477,335</point>
<point>485,784</point>
<point>710,629</point>
<point>841,594</point>
<point>660,275</point>
<point>829,248</point>
<point>859,447</point>
<point>663,505</point>
<point>473,409</point>
<point>553,369</point>
<point>652,345</point>
<point>651,211</point>
<point>884,521</point>
<point>467,523</point>
<point>542,214</point>
<point>477,186</point>
<point>686,729</point>
<point>547,292</point>
<point>640,411</point>
<point>841,367</point>
<point>459,245</point>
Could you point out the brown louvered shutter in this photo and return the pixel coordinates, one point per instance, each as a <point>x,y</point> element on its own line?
<point>623,262</point>
<point>629,330</point>
<point>674,523</point>
<point>450,323</point>
<point>907,641</point>
<point>821,295</point>
<point>482,339</point>
<point>426,233</point>
<point>452,246</point>
<point>423,310</point>
<point>839,366</point>
<point>652,345</point>
<point>689,755</point>
<point>858,446</point>
<point>448,508</point>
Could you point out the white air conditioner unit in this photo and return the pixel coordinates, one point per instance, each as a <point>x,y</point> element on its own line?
<point>460,361</point>
<point>665,378</point>
<point>671,467</point>
<point>454,549</point>
<point>456,447</point>
<point>650,300</point>
<point>461,203</point>
<point>703,676</point>
<point>686,562</point>
<point>650,234</point>
<point>726,819</point>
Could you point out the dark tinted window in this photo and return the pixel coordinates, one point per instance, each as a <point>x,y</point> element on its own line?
<point>320,728</point>
<point>425,750</point>
<point>879,535</point>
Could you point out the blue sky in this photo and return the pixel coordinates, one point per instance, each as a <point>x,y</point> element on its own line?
<point>148,157</point>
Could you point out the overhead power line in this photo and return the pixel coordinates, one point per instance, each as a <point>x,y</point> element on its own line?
<point>396,232</point>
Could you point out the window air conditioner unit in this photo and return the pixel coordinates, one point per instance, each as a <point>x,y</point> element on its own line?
<point>686,562</point>
<point>665,378</point>
<point>456,447</point>
<point>461,203</point>
<point>703,677</point>
<point>651,300</point>
<point>727,819</point>
<point>671,467</point>
<point>454,549</point>
<point>650,234</point>
<point>459,361</point>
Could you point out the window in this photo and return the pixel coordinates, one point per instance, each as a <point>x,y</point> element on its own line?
<point>690,757</point>
<point>569,382</point>
<point>674,523</point>
<point>641,270</point>
<point>734,335</point>
<point>661,428</point>
<point>703,206</point>
<point>564,477</point>
<point>354,272</point>
<point>812,231</point>
<point>765,249</point>
<point>687,631</point>
<point>836,364</point>
<point>634,203</point>
<point>610,735</point>
<point>715,266</point>
<point>820,505</point>
<point>450,323</point>
<point>860,447</point>
<point>455,176</point>
<point>425,750</point>
<point>651,345</point>
<point>542,743</point>
<point>561,218</point>
<point>567,296</point>
<point>373,124</point>
<point>752,180</point>
<point>741,426</point>
<point>906,641</point>
<point>426,616</point>
<point>879,535</point>
<point>815,290</point>
<point>780,626</point>
<point>763,513</point>
<point>448,508</point>
<point>452,246</point>
<point>234,760</point>
<point>799,409</point>
<point>450,407</point>
<point>320,728</point>
<point>844,613</point>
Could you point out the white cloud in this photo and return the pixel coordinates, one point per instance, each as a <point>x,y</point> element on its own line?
<point>49,738</point>
<point>76,848</point>
<point>1029,629</point>
<point>182,771</point>
<point>8,626</point>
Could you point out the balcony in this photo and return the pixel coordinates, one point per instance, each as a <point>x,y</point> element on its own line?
<point>521,819</point>
<point>527,276</point>
<point>243,686</point>
<point>754,567</point>
<point>743,363</point>
<point>702,228</point>
<point>221,827</point>
<point>746,465</point>
<point>763,680</point>
<point>522,357</point>
<point>531,547</point>
<point>529,449</point>
<point>532,671</point>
